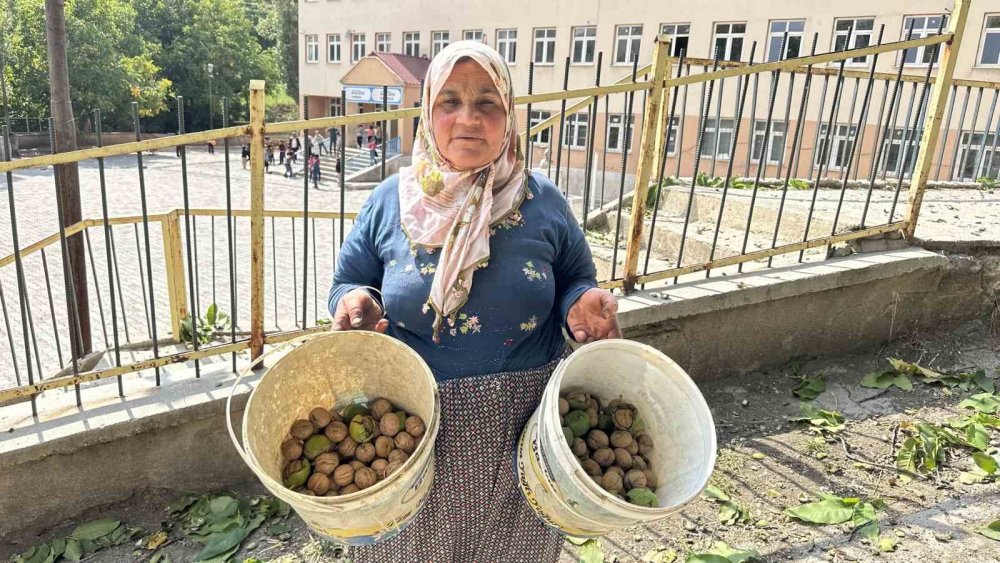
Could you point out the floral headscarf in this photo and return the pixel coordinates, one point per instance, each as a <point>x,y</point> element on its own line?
<point>443,207</point>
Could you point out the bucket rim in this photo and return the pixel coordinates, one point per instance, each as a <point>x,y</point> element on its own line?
<point>633,347</point>
<point>430,434</point>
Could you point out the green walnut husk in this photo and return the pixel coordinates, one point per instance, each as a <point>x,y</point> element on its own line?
<point>298,478</point>
<point>578,401</point>
<point>362,428</point>
<point>316,445</point>
<point>605,423</point>
<point>624,416</point>
<point>642,497</point>
<point>402,419</point>
<point>578,422</point>
<point>568,434</point>
<point>354,409</point>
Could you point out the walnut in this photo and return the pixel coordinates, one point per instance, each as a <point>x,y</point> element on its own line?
<point>352,488</point>
<point>291,449</point>
<point>365,477</point>
<point>389,425</point>
<point>365,452</point>
<point>302,429</point>
<point>592,469</point>
<point>612,482</point>
<point>623,458</point>
<point>635,479</point>
<point>414,426</point>
<point>347,448</point>
<point>604,457</point>
<point>356,464</point>
<point>319,483</point>
<point>597,439</point>
<point>383,446</point>
<point>379,466</point>
<point>380,407</point>
<point>391,468</point>
<point>398,455</point>
<point>343,475</point>
<point>645,445</point>
<point>336,431</point>
<point>621,439</point>
<point>406,442</point>
<point>320,417</point>
<point>326,463</point>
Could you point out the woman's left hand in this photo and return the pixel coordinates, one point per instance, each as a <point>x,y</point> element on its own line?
<point>594,316</point>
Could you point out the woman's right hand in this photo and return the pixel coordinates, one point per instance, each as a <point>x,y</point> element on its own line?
<point>358,311</point>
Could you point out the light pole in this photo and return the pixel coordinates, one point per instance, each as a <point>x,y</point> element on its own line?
<point>211,108</point>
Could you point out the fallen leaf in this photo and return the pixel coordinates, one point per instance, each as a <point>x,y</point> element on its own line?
<point>991,530</point>
<point>94,530</point>
<point>156,540</point>
<point>810,388</point>
<point>887,544</point>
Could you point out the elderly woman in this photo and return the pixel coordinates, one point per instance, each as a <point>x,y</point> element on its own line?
<point>480,267</point>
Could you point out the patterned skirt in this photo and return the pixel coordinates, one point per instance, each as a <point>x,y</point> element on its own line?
<point>475,511</point>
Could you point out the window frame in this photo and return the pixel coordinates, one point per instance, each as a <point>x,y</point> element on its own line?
<point>773,134</point>
<point>840,141</point>
<point>986,30</point>
<point>853,44</point>
<point>674,48</point>
<point>549,44</point>
<point>467,32</point>
<point>437,37</point>
<point>311,46</point>
<point>546,133</point>
<point>387,43</point>
<point>619,134</point>
<point>576,123</point>
<point>411,38</point>
<point>330,44</point>
<point>585,40</point>
<point>507,45</point>
<point>633,43</point>
<point>779,35</point>
<point>920,53</point>
<point>716,131</point>
<point>355,55</point>
<point>729,36</point>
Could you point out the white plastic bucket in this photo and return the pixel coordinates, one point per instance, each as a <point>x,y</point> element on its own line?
<point>675,415</point>
<point>334,369</point>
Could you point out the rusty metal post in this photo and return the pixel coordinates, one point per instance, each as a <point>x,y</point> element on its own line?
<point>256,218</point>
<point>174,258</point>
<point>935,113</point>
<point>651,145</point>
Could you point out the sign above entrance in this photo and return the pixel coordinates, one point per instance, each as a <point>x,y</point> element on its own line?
<point>372,94</point>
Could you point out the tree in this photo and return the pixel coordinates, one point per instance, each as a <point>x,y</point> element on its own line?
<point>67,176</point>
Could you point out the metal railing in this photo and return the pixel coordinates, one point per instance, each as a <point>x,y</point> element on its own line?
<point>667,178</point>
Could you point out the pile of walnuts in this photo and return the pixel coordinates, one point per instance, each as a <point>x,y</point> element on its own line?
<point>338,453</point>
<point>611,445</point>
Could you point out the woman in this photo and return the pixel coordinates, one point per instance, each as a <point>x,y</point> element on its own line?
<point>480,268</point>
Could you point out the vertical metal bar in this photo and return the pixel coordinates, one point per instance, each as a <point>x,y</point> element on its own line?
<point>212,232</point>
<point>932,127</point>
<point>621,188</point>
<point>819,119</point>
<point>988,164</point>
<point>604,155</point>
<point>142,276</point>
<point>68,281</point>
<point>705,108</point>
<point>796,157</point>
<point>315,263</point>
<point>10,337</point>
<point>274,270</point>
<point>890,128</point>
<point>592,130</point>
<point>901,165</point>
<point>562,132</point>
<point>972,132</point>
<point>663,164</point>
<point>718,126</point>
<point>305,229</point>
<point>192,257</point>
<point>343,159</point>
<point>824,154</point>
<point>986,132</point>
<point>947,129</point>
<point>118,280</point>
<point>52,309</point>
<point>97,287</point>
<point>906,132</point>
<point>256,131</point>
<point>295,278</point>
<point>878,126</point>
<point>764,147</point>
<point>107,251</point>
<point>785,125</point>
<point>385,107</point>
<point>230,233</point>
<point>852,140</point>
<point>145,230</point>
<point>958,137</point>
<point>753,121</point>
<point>679,145</point>
<point>528,141</point>
<point>793,162</point>
<point>764,158</point>
<point>732,152</point>
<point>197,261</point>
<point>861,123</point>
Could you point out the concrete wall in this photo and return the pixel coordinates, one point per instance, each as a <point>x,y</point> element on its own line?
<point>177,439</point>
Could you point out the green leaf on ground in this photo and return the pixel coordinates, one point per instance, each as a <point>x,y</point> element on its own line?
<point>886,379</point>
<point>827,511</point>
<point>660,555</point>
<point>821,421</point>
<point>985,462</point>
<point>94,530</point>
<point>983,402</point>
<point>809,388</point>
<point>887,544</point>
<point>592,552</point>
<point>975,477</point>
<point>991,530</point>
<point>73,552</point>
<point>722,553</point>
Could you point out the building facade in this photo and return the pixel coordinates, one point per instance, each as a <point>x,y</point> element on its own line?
<point>565,40</point>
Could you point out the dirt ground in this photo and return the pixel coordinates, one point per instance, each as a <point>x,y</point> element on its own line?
<point>766,463</point>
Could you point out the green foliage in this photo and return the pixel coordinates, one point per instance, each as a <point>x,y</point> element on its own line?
<point>214,321</point>
<point>730,511</point>
<point>822,422</point>
<point>222,522</point>
<point>798,184</point>
<point>703,179</point>
<point>85,540</point>
<point>836,510</point>
<point>809,388</point>
<point>986,183</point>
<point>722,553</point>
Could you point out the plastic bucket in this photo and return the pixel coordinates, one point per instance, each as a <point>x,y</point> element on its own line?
<point>334,369</point>
<point>675,415</point>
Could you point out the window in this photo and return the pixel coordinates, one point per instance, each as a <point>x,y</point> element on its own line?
<point>894,149</point>
<point>439,40</point>
<point>584,42</point>
<point>575,133</point>
<point>616,131</point>
<point>729,41</point>
<point>860,32</point>
<point>312,48</point>
<point>383,42</point>
<point>542,137</point>
<point>507,44</point>
<point>333,48</point>
<point>971,165</point>
<point>717,139</point>
<point>989,52</point>
<point>775,145</point>
<point>411,43</point>
<point>793,44</point>
<point>679,34</point>
<point>545,46</point>
<point>627,38</point>
<point>336,107</point>
<point>357,47</point>
<point>672,136</point>
<point>923,26</point>
<point>840,143</point>
<point>473,35</point>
